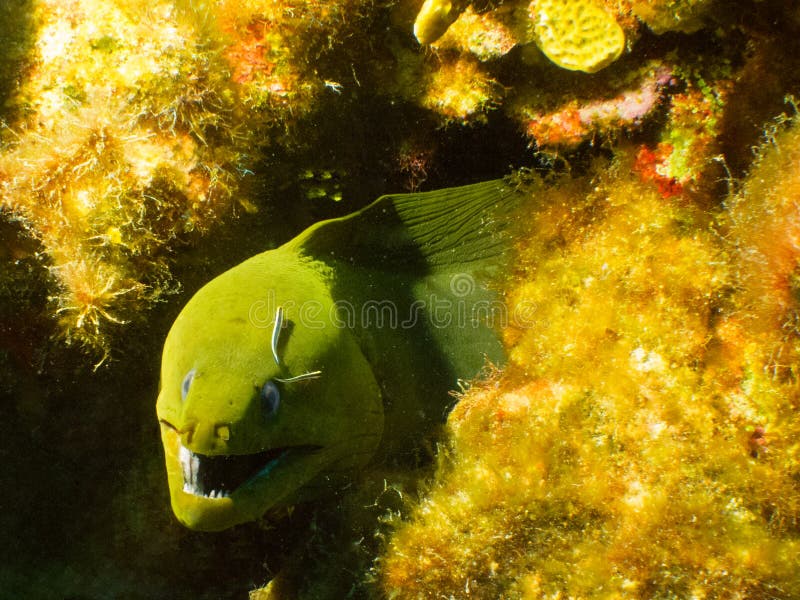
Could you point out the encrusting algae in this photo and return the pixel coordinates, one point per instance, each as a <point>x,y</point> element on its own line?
<point>632,447</point>
<point>120,148</point>
<point>579,35</point>
<point>760,338</point>
<point>135,125</point>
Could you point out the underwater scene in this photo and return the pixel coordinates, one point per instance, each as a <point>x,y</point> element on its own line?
<point>399,299</point>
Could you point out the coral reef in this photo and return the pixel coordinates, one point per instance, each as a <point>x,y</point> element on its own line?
<point>544,83</point>
<point>622,451</point>
<point>435,17</point>
<point>581,35</point>
<point>640,442</point>
<point>120,147</point>
<point>764,230</point>
<point>683,158</point>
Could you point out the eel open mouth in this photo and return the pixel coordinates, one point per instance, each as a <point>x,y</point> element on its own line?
<point>220,476</point>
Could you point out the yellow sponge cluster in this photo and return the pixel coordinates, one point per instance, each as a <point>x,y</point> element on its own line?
<point>578,35</point>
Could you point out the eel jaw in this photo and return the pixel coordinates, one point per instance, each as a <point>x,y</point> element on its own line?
<point>219,476</point>
<point>244,487</point>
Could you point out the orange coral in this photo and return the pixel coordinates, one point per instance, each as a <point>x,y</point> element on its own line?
<point>580,117</point>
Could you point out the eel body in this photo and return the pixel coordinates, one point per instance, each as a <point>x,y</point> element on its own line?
<point>288,373</point>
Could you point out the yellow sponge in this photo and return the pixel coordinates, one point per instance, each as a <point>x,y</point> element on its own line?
<point>576,34</point>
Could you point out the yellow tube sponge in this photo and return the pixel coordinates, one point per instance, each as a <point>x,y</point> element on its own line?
<point>435,17</point>
<point>579,35</point>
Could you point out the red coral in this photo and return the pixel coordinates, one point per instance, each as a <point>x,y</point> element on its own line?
<point>647,166</point>
<point>562,128</point>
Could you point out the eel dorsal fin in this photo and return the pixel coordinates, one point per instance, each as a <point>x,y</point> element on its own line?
<point>432,260</point>
<point>420,232</point>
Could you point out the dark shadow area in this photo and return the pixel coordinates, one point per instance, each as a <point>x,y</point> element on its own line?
<point>16,41</point>
<point>358,148</point>
<point>765,86</point>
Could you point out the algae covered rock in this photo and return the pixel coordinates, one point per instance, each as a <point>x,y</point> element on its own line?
<point>135,127</point>
<point>673,15</point>
<point>611,456</point>
<point>109,161</point>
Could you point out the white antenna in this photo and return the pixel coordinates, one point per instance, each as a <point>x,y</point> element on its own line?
<point>276,334</point>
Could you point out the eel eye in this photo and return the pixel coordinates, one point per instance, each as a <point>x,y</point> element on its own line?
<point>187,383</point>
<point>270,398</point>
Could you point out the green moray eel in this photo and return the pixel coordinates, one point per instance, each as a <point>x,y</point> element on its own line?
<point>285,375</point>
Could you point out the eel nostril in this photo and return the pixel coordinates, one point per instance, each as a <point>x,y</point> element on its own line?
<point>169,425</point>
<point>187,432</point>
<point>223,432</point>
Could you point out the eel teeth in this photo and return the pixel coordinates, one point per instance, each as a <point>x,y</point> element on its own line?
<point>190,466</point>
<point>218,476</point>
